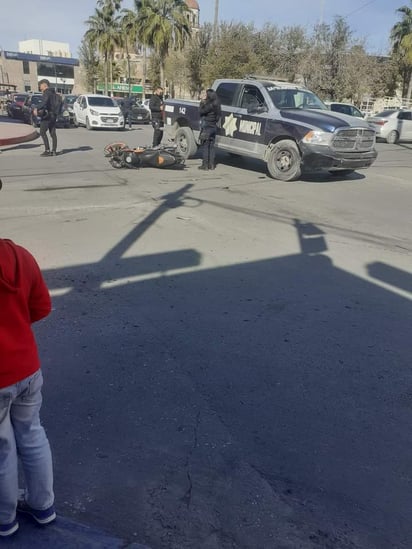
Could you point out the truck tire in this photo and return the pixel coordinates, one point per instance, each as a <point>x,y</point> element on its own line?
<point>88,125</point>
<point>185,142</point>
<point>283,161</point>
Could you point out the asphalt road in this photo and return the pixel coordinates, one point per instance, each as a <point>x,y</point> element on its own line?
<point>228,362</point>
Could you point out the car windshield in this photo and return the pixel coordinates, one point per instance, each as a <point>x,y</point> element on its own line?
<point>36,99</point>
<point>69,99</point>
<point>294,99</point>
<point>385,114</point>
<point>20,97</point>
<point>101,102</point>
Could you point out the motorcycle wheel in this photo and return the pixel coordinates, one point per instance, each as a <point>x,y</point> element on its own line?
<point>117,162</point>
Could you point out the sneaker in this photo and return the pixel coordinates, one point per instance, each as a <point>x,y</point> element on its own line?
<point>203,167</point>
<point>54,153</point>
<point>41,517</point>
<point>9,529</point>
<point>45,153</point>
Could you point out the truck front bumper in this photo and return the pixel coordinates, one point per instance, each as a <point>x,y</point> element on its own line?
<point>319,158</point>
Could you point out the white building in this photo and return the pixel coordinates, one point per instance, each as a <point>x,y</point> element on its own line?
<point>45,47</point>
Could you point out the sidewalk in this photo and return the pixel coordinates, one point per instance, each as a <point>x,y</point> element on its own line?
<point>63,534</point>
<point>12,132</point>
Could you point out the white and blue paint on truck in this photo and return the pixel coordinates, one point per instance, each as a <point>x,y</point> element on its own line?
<point>284,124</point>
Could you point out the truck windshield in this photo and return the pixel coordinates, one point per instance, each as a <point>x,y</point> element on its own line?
<point>294,99</point>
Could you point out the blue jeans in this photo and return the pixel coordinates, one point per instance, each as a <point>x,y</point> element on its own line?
<point>21,435</point>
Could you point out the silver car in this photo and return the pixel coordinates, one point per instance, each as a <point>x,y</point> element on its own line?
<point>344,108</point>
<point>392,125</point>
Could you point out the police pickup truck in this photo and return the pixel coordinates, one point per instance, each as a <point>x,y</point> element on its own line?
<point>285,125</point>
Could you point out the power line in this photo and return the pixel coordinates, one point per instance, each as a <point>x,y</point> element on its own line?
<point>360,8</point>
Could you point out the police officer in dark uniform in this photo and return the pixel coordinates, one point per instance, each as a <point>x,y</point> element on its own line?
<point>210,114</point>
<point>48,110</point>
<point>156,108</point>
<point>127,108</point>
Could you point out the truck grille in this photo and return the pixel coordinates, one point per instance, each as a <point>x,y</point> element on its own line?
<point>354,139</point>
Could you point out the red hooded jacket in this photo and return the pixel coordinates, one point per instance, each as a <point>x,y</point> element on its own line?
<point>24,298</point>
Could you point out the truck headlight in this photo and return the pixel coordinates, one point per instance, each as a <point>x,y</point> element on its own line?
<point>94,113</point>
<point>317,138</point>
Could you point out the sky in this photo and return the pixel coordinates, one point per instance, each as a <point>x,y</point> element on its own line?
<point>370,20</point>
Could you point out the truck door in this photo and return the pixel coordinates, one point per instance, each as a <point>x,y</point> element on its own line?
<point>228,94</point>
<point>252,113</point>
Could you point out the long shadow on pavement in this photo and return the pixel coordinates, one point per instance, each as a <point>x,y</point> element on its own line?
<point>261,404</point>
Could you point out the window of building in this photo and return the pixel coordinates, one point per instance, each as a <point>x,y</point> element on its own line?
<point>54,71</point>
<point>26,67</point>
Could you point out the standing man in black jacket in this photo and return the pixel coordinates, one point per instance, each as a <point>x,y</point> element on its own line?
<point>156,108</point>
<point>48,110</point>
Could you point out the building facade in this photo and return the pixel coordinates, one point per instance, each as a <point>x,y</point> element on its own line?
<point>23,71</point>
<point>37,46</point>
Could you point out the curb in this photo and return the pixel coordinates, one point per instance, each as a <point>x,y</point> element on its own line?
<point>11,134</point>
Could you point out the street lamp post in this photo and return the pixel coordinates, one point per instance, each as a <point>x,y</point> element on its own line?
<point>216,19</point>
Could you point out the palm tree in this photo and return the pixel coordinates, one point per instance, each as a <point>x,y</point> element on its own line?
<point>129,35</point>
<point>162,25</point>
<point>103,33</point>
<point>401,38</point>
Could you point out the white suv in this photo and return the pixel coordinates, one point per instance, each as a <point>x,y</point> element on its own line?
<point>97,111</point>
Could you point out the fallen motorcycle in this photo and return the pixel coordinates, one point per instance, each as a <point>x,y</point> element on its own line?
<point>121,155</point>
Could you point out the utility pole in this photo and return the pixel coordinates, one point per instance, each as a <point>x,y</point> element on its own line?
<point>322,6</point>
<point>216,20</point>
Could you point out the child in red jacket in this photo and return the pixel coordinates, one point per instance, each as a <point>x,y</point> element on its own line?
<point>24,298</point>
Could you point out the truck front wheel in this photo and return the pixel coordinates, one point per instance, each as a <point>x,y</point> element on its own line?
<point>185,142</point>
<point>283,161</point>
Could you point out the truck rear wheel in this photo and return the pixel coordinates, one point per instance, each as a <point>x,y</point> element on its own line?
<point>283,161</point>
<point>185,142</point>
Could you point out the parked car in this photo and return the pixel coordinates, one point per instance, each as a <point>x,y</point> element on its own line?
<point>392,125</point>
<point>145,104</point>
<point>140,114</point>
<point>97,111</point>
<point>31,102</point>
<point>68,102</point>
<point>15,105</point>
<point>344,108</point>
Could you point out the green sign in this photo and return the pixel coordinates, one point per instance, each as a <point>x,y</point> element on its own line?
<point>134,88</point>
